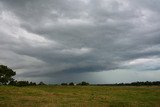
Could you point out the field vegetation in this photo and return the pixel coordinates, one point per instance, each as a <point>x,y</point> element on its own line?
<point>79,96</point>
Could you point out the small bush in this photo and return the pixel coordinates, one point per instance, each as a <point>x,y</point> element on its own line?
<point>64,84</point>
<point>71,84</point>
<point>83,83</point>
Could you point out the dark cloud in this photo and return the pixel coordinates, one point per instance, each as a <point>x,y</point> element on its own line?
<point>65,39</point>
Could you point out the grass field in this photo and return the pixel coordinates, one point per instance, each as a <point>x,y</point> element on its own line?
<point>79,96</point>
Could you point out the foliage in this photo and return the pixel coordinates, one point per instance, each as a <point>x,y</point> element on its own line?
<point>22,83</point>
<point>6,74</point>
<point>71,83</point>
<point>138,83</point>
<point>14,83</point>
<point>41,83</point>
<point>83,83</point>
<point>32,83</point>
<point>6,78</point>
<point>147,83</point>
<point>64,84</point>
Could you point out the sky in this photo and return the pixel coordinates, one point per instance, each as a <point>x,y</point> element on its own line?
<point>98,41</point>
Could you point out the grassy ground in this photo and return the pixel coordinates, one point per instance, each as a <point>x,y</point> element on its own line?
<point>79,96</point>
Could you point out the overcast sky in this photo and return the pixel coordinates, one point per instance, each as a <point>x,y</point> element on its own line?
<point>98,41</point>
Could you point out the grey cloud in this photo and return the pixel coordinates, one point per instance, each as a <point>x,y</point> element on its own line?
<point>54,38</point>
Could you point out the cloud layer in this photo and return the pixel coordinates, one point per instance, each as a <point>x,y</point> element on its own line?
<point>100,41</point>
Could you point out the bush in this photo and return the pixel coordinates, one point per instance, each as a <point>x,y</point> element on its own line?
<point>41,83</point>
<point>22,83</point>
<point>71,84</point>
<point>64,84</point>
<point>83,83</point>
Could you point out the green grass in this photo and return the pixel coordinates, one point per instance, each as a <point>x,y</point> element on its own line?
<point>79,96</point>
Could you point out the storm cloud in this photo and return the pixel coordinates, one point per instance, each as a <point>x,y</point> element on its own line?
<point>99,41</point>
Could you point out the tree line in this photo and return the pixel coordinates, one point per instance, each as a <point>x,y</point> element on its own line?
<point>6,78</point>
<point>138,83</point>
<point>83,83</point>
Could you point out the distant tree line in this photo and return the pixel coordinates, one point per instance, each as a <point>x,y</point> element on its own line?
<point>6,75</point>
<point>138,83</point>
<point>24,83</point>
<point>83,83</point>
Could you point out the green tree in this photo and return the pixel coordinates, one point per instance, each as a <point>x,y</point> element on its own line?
<point>83,83</point>
<point>6,74</point>
<point>22,83</point>
<point>71,83</point>
<point>64,84</point>
<point>41,83</point>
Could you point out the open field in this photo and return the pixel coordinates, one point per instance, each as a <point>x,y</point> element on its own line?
<point>80,96</point>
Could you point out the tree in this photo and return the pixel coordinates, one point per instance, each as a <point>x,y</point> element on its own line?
<point>64,84</point>
<point>14,83</point>
<point>22,83</point>
<point>41,83</point>
<point>32,83</point>
<point>83,83</point>
<point>71,83</point>
<point>6,74</point>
